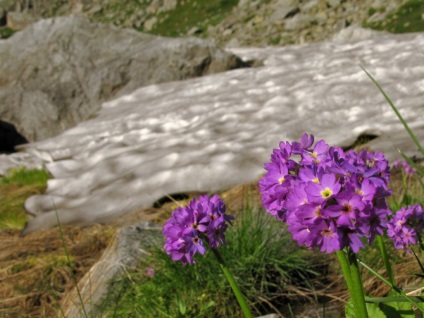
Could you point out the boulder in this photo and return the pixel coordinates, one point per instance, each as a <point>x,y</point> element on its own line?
<point>57,72</point>
<point>125,252</point>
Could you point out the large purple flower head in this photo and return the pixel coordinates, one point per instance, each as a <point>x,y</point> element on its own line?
<point>189,227</point>
<point>406,226</point>
<point>330,199</point>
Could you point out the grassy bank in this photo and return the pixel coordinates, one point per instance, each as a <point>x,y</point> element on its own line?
<point>34,270</point>
<point>15,188</point>
<point>408,18</point>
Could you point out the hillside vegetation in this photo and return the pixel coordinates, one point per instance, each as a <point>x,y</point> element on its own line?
<point>230,22</point>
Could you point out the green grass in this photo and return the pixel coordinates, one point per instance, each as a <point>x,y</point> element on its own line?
<point>189,14</point>
<point>118,11</point>
<point>6,32</point>
<point>262,257</point>
<point>15,188</point>
<point>408,18</point>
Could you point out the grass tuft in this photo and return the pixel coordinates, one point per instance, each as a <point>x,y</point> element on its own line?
<point>269,268</point>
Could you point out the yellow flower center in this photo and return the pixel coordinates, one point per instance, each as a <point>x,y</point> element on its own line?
<point>326,193</point>
<point>281,180</point>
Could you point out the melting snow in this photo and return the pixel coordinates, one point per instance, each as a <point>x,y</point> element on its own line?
<point>213,132</point>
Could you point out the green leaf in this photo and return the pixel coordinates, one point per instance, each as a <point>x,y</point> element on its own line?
<point>375,312</point>
<point>397,309</point>
<point>350,310</point>
<point>372,308</point>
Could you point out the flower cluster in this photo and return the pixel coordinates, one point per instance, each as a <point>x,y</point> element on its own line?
<point>403,164</point>
<point>406,225</point>
<point>329,198</point>
<point>186,230</point>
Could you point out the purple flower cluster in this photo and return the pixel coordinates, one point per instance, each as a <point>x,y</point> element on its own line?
<point>189,226</point>
<point>329,198</point>
<point>403,164</point>
<point>406,226</point>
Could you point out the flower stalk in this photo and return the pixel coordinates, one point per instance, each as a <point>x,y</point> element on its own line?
<point>353,279</point>
<point>233,284</point>
<point>196,226</point>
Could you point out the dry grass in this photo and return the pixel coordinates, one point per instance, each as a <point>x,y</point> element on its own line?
<point>34,270</point>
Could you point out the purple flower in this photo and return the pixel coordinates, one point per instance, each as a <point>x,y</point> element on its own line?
<point>202,220</point>
<point>328,239</point>
<point>406,226</point>
<point>328,198</point>
<point>317,155</point>
<point>150,272</point>
<point>305,143</point>
<point>347,209</point>
<point>327,187</point>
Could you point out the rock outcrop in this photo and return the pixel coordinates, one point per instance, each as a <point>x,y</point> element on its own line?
<point>57,72</point>
<point>282,22</point>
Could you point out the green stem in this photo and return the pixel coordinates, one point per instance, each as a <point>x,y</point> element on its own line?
<point>354,282</point>
<point>386,259</point>
<point>233,284</point>
<point>345,268</point>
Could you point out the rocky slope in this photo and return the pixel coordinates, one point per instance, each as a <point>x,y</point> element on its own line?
<point>228,23</point>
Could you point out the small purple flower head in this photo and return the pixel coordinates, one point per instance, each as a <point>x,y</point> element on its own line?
<point>150,272</point>
<point>202,220</point>
<point>405,166</point>
<point>330,199</point>
<point>406,226</point>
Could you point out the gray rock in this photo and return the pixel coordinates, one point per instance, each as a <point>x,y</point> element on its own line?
<point>298,22</point>
<point>19,20</point>
<point>283,12</point>
<point>334,3</point>
<point>311,5</point>
<point>57,72</point>
<point>150,23</point>
<point>125,252</point>
<point>355,33</point>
